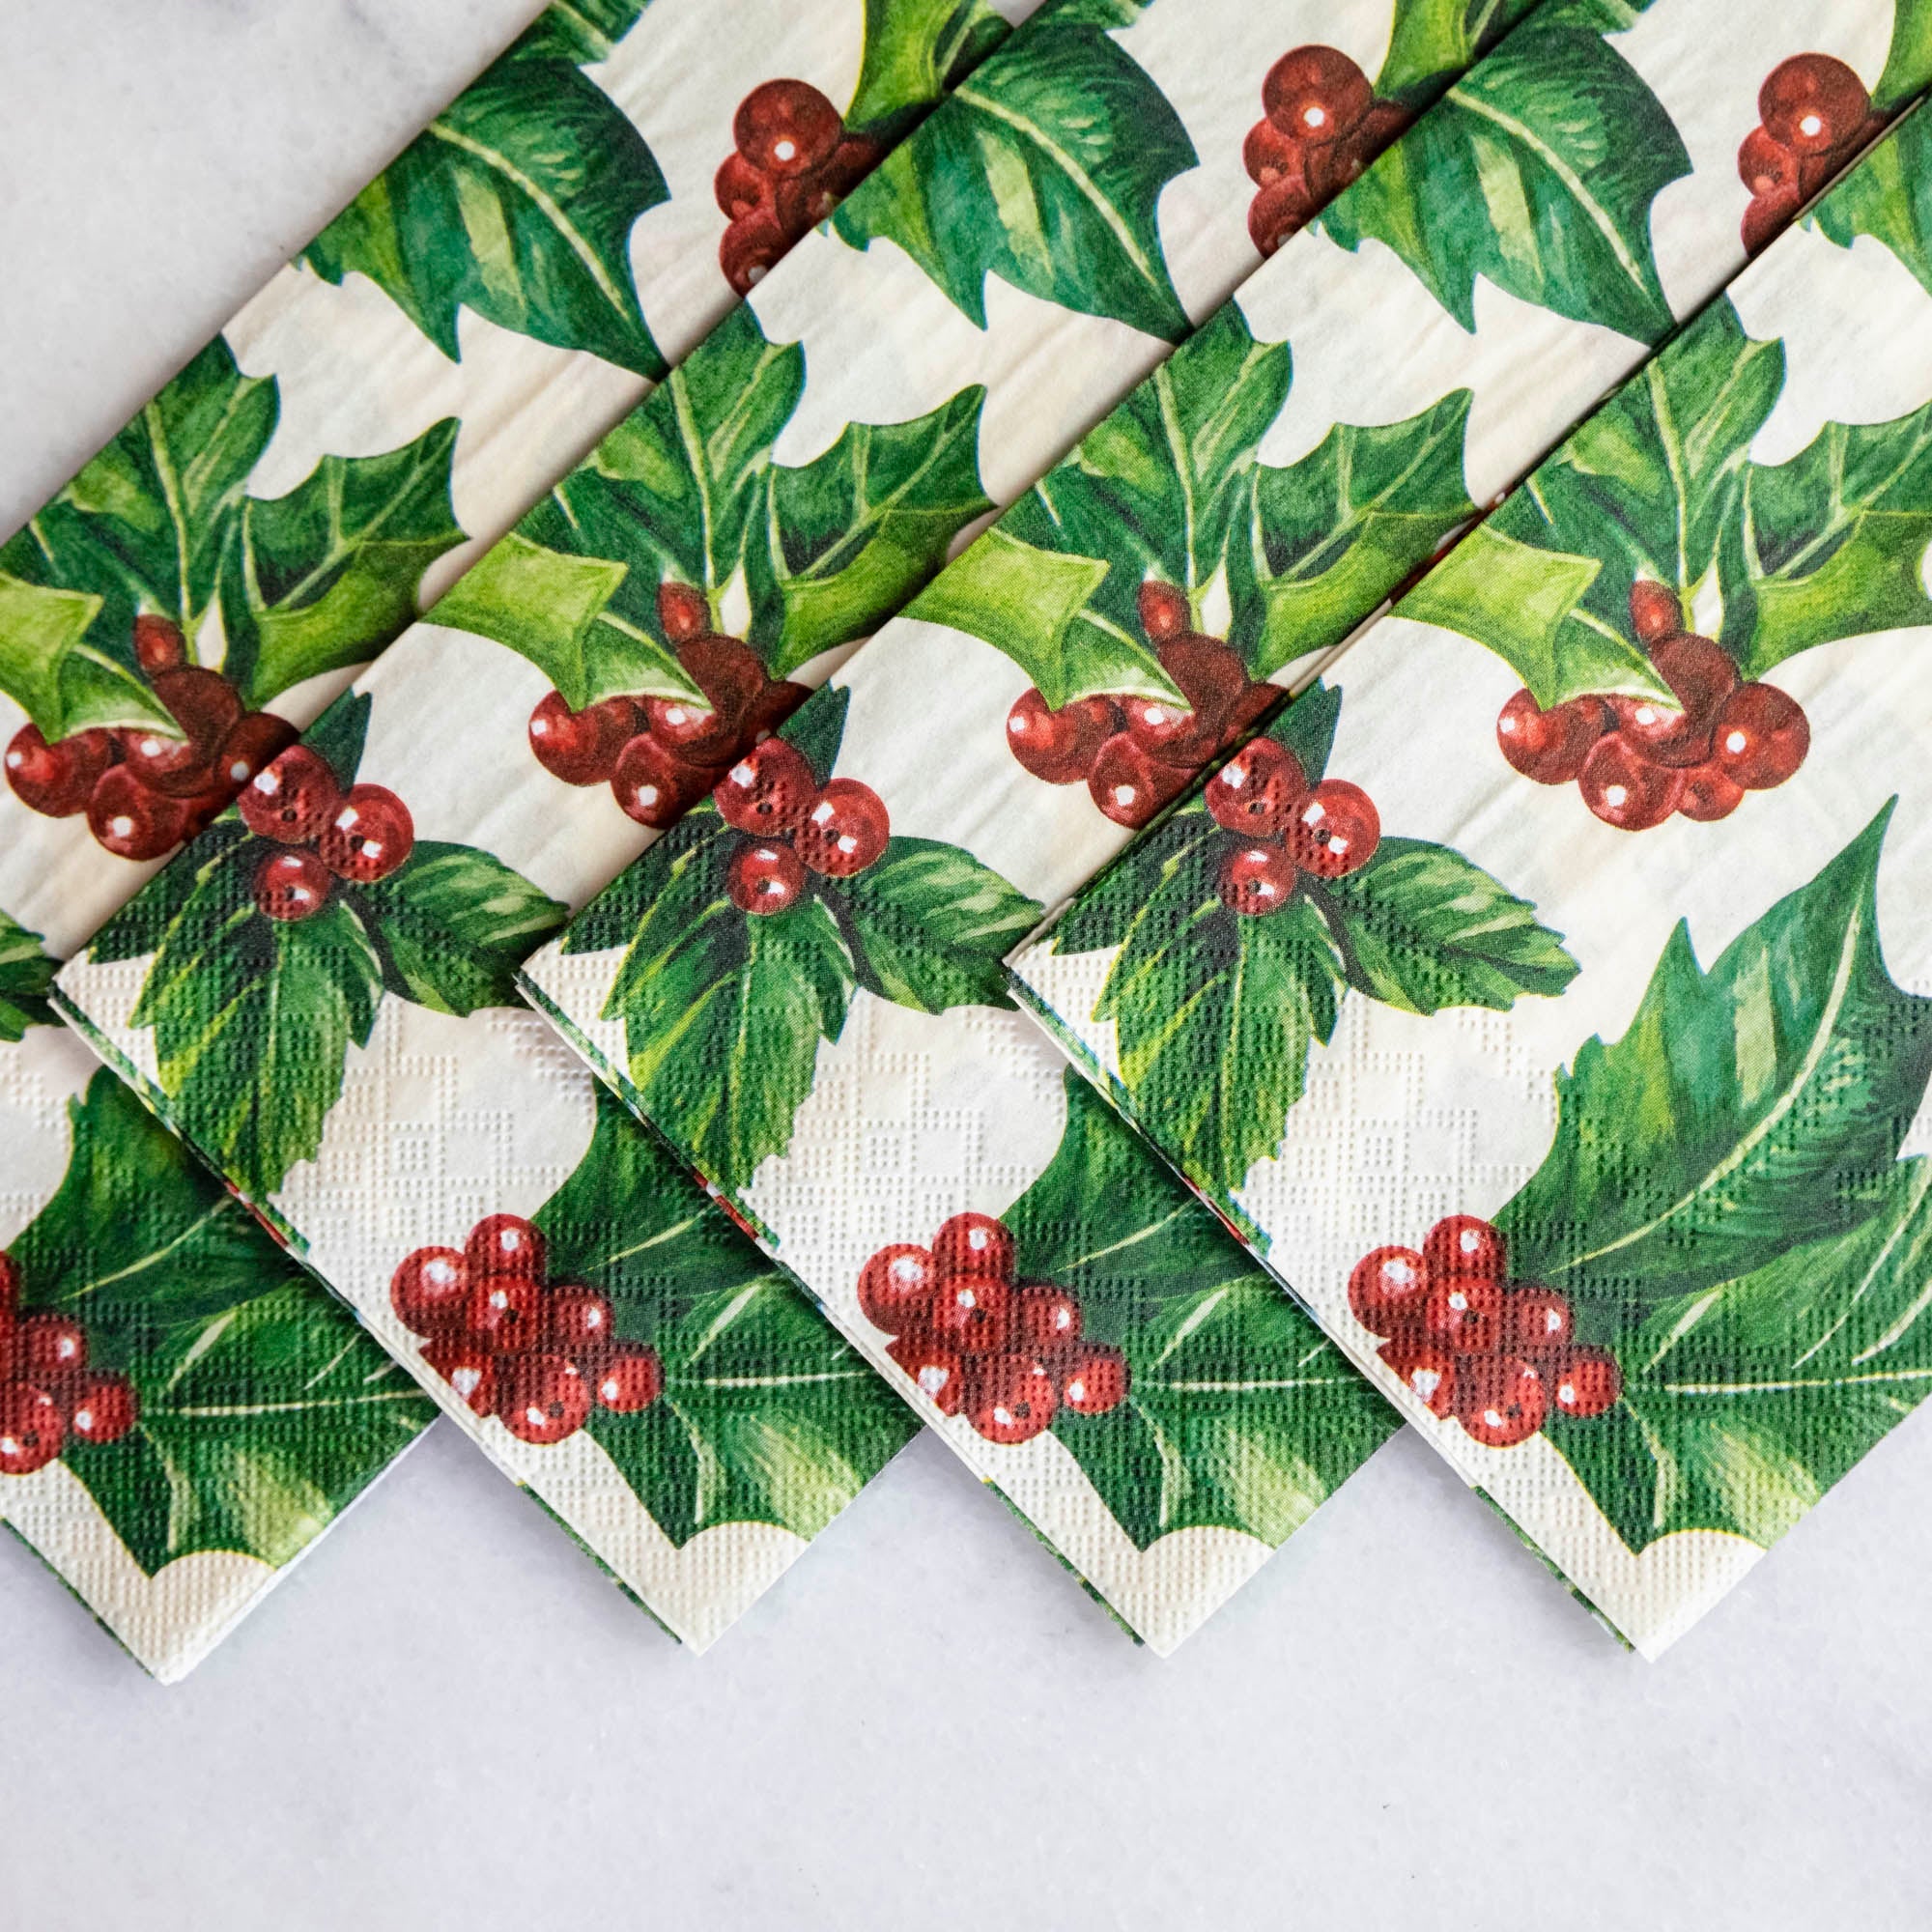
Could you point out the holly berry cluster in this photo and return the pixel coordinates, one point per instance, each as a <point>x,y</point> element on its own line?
<point>1496,1355</point>
<point>660,755</point>
<point>533,1352</point>
<point>1321,127</point>
<point>47,1392</point>
<point>143,791</point>
<point>1813,116</point>
<point>1136,753</point>
<point>1285,826</point>
<point>324,833</point>
<point>1636,762</point>
<point>795,825</point>
<point>793,163</point>
<point>1006,1355</point>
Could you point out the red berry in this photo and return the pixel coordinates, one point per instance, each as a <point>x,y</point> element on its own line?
<point>1128,785</point>
<point>973,1312</point>
<point>1385,1290</point>
<point>653,785</point>
<point>1335,830</point>
<point>1762,737</point>
<point>430,1290</point>
<point>939,1370</point>
<point>1549,745</point>
<point>1256,880</point>
<point>974,1245</point>
<point>469,1367</point>
<point>1766,167</point>
<point>1535,1321</point>
<point>158,643</point>
<point>1625,790</point>
<point>694,731</point>
<point>1585,1382</point>
<point>852,160</point>
<point>846,829</point>
<point>787,127</point>
<point>770,709</point>
<point>763,879</point>
<point>1316,93</point>
<point>1767,217</point>
<point>256,742</point>
<point>897,1288</point>
<point>1812,105</point>
<point>49,1347</point>
<point>292,885</point>
<point>542,1398</point>
<point>370,835</point>
<point>581,748</point>
<point>1046,1318</point>
<point>1463,1314</point>
<point>1255,793</point>
<point>31,1429</point>
<point>1701,674</point>
<point>1094,1379</point>
<point>1466,1244</point>
<point>292,799</point>
<point>1010,1399</point>
<point>750,248</point>
<point>132,821</point>
<point>1210,677</point>
<point>101,1409</point>
<point>1283,208</point>
<point>502,1313</point>
<point>740,189</point>
<point>206,707</point>
<point>202,702</point>
<point>579,1321</point>
<point>57,779</point>
<point>163,763</point>
<point>1709,795</point>
<point>1428,1371</point>
<point>630,1378</point>
<point>1058,746</point>
<point>1163,610</point>
<point>9,1284</point>
<point>1269,156</point>
<point>767,791</point>
<point>506,1245</point>
<point>1501,1401</point>
<point>729,673</point>
<point>683,612</point>
<point>1656,611</point>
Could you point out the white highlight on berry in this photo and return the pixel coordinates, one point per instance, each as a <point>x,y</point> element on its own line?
<point>1736,742</point>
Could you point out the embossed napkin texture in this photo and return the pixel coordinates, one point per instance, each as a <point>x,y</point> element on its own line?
<point>1549,995</point>
<point>318,1003</point>
<point>797,987</point>
<point>364,428</point>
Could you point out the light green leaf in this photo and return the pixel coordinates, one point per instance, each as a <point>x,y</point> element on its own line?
<point>913,49</point>
<point>1433,39</point>
<point>1889,194</point>
<point>1908,64</point>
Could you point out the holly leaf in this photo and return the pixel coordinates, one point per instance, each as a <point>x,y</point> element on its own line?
<point>1239,1414</point>
<point>1331,536</point>
<point>913,49</point>
<point>1432,40</point>
<point>518,202</point>
<point>263,1408</point>
<point>1759,1102</point>
<point>340,733</point>
<point>1888,195</point>
<point>253,1018</point>
<point>1421,928</point>
<point>50,672</point>
<point>1908,63</point>
<point>850,536</point>
<point>584,31</point>
<point>453,924</point>
<point>928,926</point>
<point>26,972</point>
<point>1044,168</point>
<point>326,576</point>
<point>1536,171</point>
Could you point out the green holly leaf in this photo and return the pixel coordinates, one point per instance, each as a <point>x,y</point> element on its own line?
<point>262,1407</point>
<point>850,536</point>
<point>453,924</point>
<point>1908,64</point>
<point>1430,40</point>
<point>1888,195</point>
<point>1745,1402</point>
<point>47,670</point>
<point>326,576</point>
<point>1749,1106</point>
<point>1537,172</point>
<point>1332,535</point>
<point>1421,928</point>
<point>929,928</point>
<point>913,50</point>
<point>26,972</point>
<point>1239,1414</point>
<point>518,202</point>
<point>338,736</point>
<point>253,1018</point>
<point>1044,168</point>
<point>584,31</point>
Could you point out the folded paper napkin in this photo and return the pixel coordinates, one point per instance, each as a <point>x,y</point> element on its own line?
<point>361,430</point>
<point>1548,995</point>
<point>317,1000</point>
<point>799,987</point>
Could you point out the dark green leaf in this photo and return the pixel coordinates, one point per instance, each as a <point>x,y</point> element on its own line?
<point>818,727</point>
<point>26,972</point>
<point>339,734</point>
<point>140,926</point>
<point>584,31</point>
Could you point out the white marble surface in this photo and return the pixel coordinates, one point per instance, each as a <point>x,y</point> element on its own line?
<point>447,1720</point>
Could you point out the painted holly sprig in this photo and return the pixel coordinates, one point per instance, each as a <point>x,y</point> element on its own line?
<point>1813,116</point>
<point>275,939</point>
<point>181,1367</point>
<point>749,928</point>
<point>26,972</point>
<point>1244,918</point>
